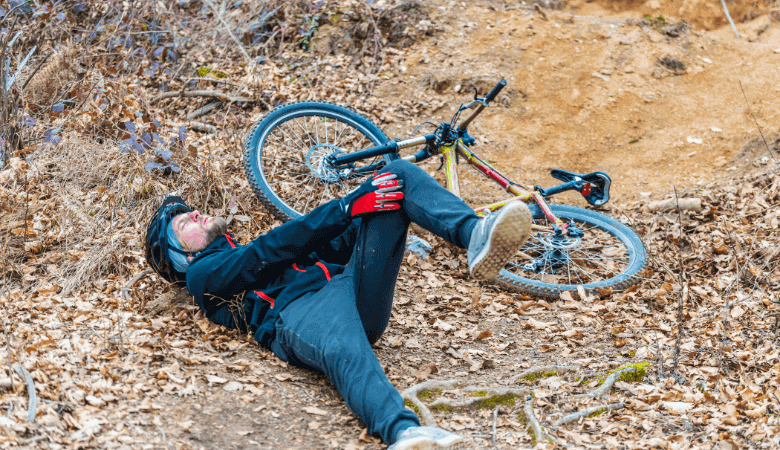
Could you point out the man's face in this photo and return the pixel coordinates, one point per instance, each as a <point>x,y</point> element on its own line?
<point>196,231</point>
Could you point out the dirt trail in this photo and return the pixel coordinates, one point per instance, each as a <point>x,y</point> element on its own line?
<point>590,93</point>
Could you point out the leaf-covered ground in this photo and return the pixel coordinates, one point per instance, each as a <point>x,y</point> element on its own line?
<point>101,123</point>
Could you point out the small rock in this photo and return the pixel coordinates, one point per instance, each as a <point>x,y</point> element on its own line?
<point>94,401</point>
<point>716,129</point>
<point>693,140</point>
<point>233,386</point>
<point>707,60</point>
<point>679,407</point>
<point>213,379</point>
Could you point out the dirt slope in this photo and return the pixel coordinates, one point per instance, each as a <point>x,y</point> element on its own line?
<point>590,93</point>
<point>131,365</point>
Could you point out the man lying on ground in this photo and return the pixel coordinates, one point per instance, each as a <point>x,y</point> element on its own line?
<point>318,291</point>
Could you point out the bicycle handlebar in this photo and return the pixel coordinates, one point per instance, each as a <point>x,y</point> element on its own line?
<point>495,91</point>
<point>492,95</point>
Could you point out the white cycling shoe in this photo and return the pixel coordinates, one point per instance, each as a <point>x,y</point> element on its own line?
<point>427,438</point>
<point>498,237</point>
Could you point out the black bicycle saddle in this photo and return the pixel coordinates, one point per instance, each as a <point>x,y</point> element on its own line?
<point>598,194</point>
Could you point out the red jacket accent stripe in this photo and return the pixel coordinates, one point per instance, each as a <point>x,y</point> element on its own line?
<point>266,298</point>
<point>295,266</point>
<point>230,240</point>
<point>324,269</point>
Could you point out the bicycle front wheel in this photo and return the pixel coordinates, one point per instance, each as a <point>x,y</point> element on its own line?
<point>285,155</point>
<point>602,253</point>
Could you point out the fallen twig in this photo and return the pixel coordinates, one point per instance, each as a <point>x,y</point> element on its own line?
<point>197,126</point>
<point>539,369</point>
<point>728,16</point>
<point>133,281</point>
<point>201,111</point>
<point>233,36</point>
<point>33,401</point>
<point>535,425</point>
<point>685,204</point>
<point>219,95</point>
<point>586,412</point>
<point>411,395</point>
<point>607,385</point>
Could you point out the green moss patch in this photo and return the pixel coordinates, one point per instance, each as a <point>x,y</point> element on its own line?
<point>425,394</point>
<point>596,413</point>
<point>490,403</point>
<point>633,376</point>
<point>412,406</point>
<point>442,408</point>
<point>539,376</point>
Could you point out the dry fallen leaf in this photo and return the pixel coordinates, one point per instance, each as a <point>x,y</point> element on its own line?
<point>533,323</point>
<point>316,411</point>
<point>484,335</point>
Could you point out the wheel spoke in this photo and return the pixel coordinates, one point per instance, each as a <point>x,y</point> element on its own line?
<point>291,158</point>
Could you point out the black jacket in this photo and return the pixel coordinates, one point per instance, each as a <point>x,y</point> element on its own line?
<point>245,287</point>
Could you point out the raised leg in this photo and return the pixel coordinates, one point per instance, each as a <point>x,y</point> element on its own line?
<point>379,250</point>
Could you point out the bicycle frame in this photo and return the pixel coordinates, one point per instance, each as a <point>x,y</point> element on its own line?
<point>518,191</point>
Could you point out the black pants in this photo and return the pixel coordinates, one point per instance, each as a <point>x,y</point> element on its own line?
<point>332,330</point>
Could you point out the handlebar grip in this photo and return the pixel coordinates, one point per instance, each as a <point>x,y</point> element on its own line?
<point>495,91</point>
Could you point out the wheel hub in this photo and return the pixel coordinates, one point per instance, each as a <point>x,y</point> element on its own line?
<point>557,255</point>
<point>317,162</point>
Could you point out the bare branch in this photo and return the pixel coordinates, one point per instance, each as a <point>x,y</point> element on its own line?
<point>219,95</point>
<point>197,126</point>
<point>586,412</point>
<point>132,282</point>
<point>32,403</point>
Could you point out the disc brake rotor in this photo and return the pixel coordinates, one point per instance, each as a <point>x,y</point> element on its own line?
<point>317,161</point>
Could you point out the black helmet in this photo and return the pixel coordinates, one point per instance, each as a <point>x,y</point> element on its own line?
<point>156,246</point>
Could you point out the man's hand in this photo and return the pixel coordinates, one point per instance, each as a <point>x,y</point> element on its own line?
<point>377,194</point>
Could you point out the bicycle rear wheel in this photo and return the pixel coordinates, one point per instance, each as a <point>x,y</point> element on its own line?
<point>285,155</point>
<point>604,254</point>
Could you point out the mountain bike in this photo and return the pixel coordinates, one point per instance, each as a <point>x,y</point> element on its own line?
<point>304,154</point>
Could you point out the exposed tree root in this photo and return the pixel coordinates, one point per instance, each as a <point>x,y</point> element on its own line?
<point>536,427</point>
<point>485,393</point>
<point>607,385</point>
<point>411,395</point>
<point>586,412</point>
<point>489,392</point>
<point>542,369</point>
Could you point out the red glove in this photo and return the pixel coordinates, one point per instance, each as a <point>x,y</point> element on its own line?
<point>374,195</point>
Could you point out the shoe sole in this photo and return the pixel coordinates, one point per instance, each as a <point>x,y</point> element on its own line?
<point>510,231</point>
